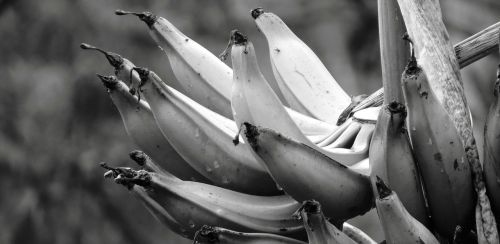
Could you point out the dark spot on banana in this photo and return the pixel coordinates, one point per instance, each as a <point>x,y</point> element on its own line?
<point>438,156</point>
<point>455,164</point>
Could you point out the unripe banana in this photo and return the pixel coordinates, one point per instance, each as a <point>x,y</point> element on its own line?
<point>356,234</point>
<point>208,82</point>
<point>254,101</point>
<point>491,152</point>
<point>141,127</point>
<point>392,160</point>
<point>196,133</point>
<point>398,225</point>
<point>440,155</point>
<point>302,78</point>
<point>305,173</point>
<point>193,204</point>
<point>212,235</point>
<point>319,230</point>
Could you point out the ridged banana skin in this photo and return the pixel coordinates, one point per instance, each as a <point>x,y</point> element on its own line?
<point>206,79</point>
<point>194,204</point>
<point>319,230</point>
<point>141,127</point>
<point>203,143</point>
<point>305,173</point>
<point>357,235</point>
<point>213,235</point>
<point>254,101</point>
<point>303,79</point>
<point>188,60</point>
<point>491,164</point>
<point>159,213</point>
<point>399,226</point>
<point>440,155</point>
<point>391,159</point>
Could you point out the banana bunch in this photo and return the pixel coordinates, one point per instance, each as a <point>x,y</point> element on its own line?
<point>223,160</point>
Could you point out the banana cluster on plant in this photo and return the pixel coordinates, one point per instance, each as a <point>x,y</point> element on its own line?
<point>224,161</point>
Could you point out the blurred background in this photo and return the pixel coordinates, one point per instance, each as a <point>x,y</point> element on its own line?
<point>57,122</point>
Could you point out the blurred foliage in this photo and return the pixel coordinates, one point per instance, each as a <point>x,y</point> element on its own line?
<point>58,123</point>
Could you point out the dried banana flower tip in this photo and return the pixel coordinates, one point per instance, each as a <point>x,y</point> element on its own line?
<point>382,189</point>
<point>311,206</point>
<point>251,133</point>
<point>256,12</point>
<point>207,234</point>
<point>147,17</point>
<point>396,107</point>
<point>238,38</point>
<point>139,157</point>
<point>109,81</point>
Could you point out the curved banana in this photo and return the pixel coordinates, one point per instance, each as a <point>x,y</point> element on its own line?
<point>337,133</point>
<point>159,212</point>
<point>140,125</point>
<point>351,154</point>
<point>440,155</point>
<point>207,82</point>
<point>491,164</point>
<point>202,142</point>
<point>211,235</point>
<point>254,101</point>
<point>192,204</point>
<point>302,78</point>
<point>357,235</point>
<point>398,225</point>
<point>305,173</point>
<point>319,230</point>
<point>392,160</point>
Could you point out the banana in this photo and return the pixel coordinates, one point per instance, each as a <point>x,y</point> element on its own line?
<point>159,212</point>
<point>209,234</point>
<point>491,152</point>
<point>254,101</point>
<point>202,142</point>
<point>302,78</point>
<point>359,149</point>
<point>357,235</point>
<point>467,51</point>
<point>362,167</point>
<point>304,173</point>
<point>392,160</point>
<point>140,125</point>
<point>319,230</point>
<point>440,155</point>
<point>192,204</point>
<point>338,132</point>
<point>207,82</point>
<point>399,226</point>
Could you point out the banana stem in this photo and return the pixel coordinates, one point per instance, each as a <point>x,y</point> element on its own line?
<point>207,234</point>
<point>393,51</point>
<point>147,17</point>
<point>114,59</point>
<point>235,38</point>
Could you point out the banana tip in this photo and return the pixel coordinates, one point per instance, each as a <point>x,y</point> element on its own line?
<point>382,189</point>
<point>256,12</point>
<point>147,17</point>
<point>109,82</point>
<point>251,133</point>
<point>311,206</point>
<point>208,234</point>
<point>138,156</point>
